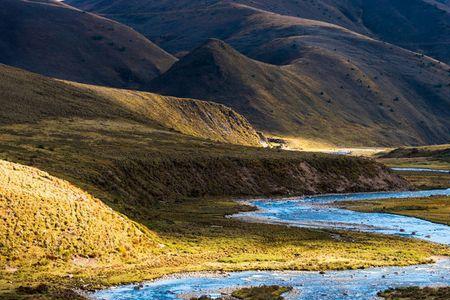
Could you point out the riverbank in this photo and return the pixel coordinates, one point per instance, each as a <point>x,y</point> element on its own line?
<point>361,284</point>
<point>197,236</point>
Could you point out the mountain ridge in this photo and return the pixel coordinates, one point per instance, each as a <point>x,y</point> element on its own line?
<point>293,99</point>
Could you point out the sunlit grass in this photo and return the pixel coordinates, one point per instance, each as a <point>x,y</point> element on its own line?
<point>435,209</point>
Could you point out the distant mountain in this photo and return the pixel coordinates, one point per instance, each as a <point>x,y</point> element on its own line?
<point>328,78</point>
<point>56,40</point>
<point>418,25</point>
<point>395,97</point>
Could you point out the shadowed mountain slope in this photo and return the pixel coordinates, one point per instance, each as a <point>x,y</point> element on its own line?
<point>29,98</point>
<point>418,25</point>
<point>337,95</point>
<point>57,40</point>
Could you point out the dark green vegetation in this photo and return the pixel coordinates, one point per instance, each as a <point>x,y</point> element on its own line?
<point>167,186</point>
<point>54,39</point>
<point>416,293</point>
<point>435,209</point>
<point>272,292</point>
<point>43,292</point>
<point>436,153</point>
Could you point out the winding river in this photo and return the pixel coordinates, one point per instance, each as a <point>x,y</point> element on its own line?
<point>314,212</point>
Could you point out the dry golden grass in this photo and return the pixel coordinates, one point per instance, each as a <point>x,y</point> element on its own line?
<point>191,117</point>
<point>435,209</point>
<point>42,217</point>
<point>28,98</point>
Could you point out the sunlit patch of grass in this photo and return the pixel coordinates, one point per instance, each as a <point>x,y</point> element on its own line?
<point>435,209</point>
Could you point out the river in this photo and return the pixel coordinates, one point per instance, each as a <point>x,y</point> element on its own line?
<point>314,212</point>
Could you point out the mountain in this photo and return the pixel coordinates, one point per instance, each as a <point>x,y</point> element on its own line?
<point>418,25</point>
<point>30,98</point>
<point>57,40</point>
<point>300,77</point>
<point>324,90</point>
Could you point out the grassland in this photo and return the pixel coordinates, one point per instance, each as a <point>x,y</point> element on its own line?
<point>146,174</point>
<point>431,157</point>
<point>435,209</point>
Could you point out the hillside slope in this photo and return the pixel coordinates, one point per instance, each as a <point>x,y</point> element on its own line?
<point>57,40</point>
<point>29,98</point>
<point>44,217</point>
<point>396,97</point>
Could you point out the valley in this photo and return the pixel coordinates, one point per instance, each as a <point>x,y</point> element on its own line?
<point>224,149</point>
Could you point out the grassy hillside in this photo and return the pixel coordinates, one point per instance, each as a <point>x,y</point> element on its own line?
<point>30,98</point>
<point>418,25</point>
<point>57,40</point>
<point>324,94</point>
<point>188,116</point>
<point>42,217</point>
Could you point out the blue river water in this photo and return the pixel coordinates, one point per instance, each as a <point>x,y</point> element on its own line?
<point>314,212</point>
<point>318,212</point>
<point>401,169</point>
